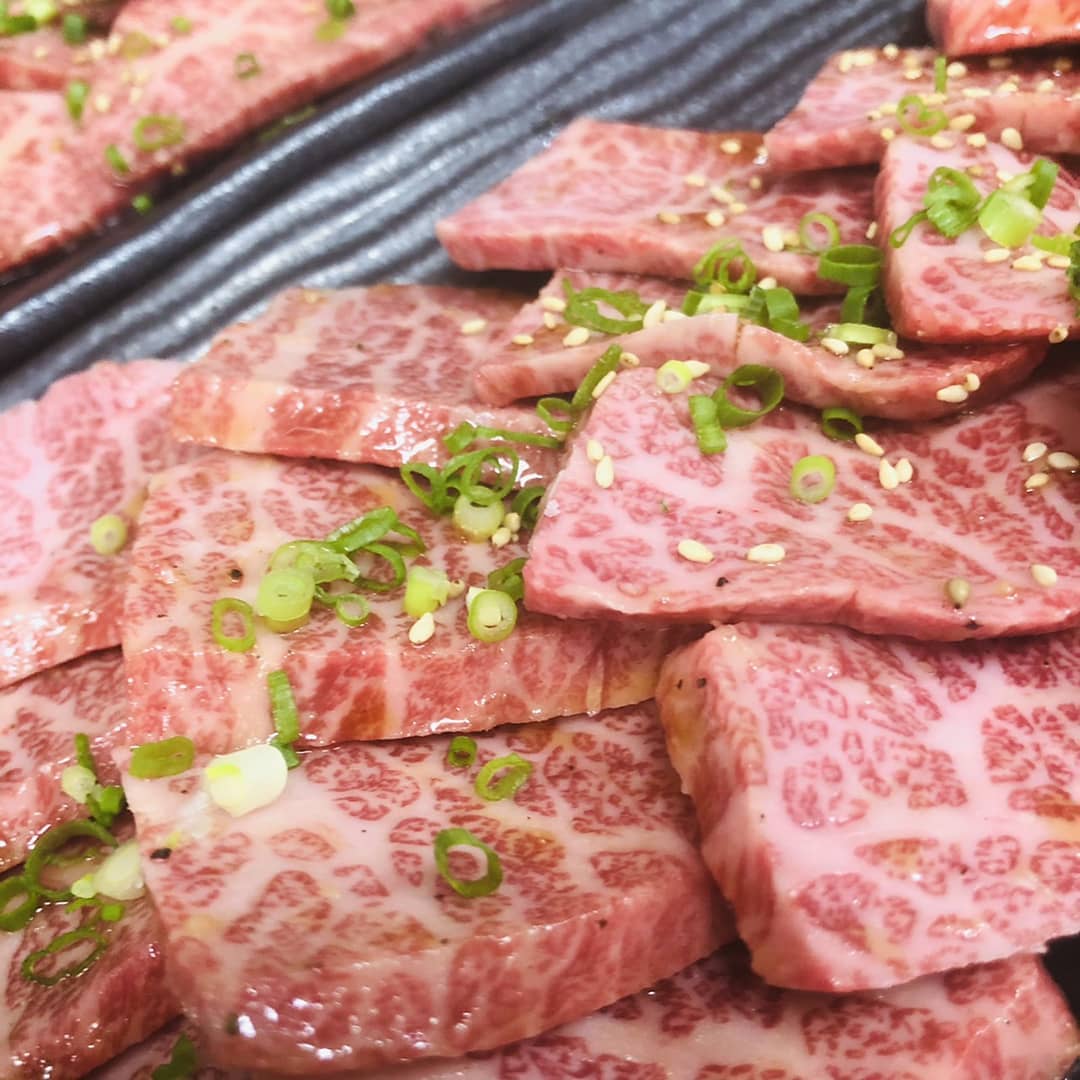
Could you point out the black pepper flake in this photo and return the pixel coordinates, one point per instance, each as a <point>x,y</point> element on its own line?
<point>678,685</point>
<point>721,582</point>
<point>602,924</point>
<point>161,853</point>
<point>701,682</point>
<point>236,574</point>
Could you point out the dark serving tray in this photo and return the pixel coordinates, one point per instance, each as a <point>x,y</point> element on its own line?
<point>351,195</point>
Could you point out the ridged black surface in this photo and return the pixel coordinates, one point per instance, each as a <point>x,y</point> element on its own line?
<point>352,195</point>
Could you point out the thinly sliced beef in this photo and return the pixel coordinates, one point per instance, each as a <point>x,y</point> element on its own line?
<point>847,112</point>
<point>39,719</point>
<point>86,449</point>
<point>63,1031</point>
<point>904,389</point>
<point>967,513</point>
<point>189,79</point>
<point>42,60</point>
<point>636,199</point>
<point>208,530</point>
<point>993,26</point>
<point>316,935</point>
<point>718,1020</point>
<point>944,289</point>
<point>371,375</point>
<point>875,809</point>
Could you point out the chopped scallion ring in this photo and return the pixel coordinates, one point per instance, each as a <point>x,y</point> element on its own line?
<point>840,424</point>
<point>462,752</point>
<point>183,1063</point>
<point>478,523</point>
<point>364,530</point>
<point>116,160</point>
<point>285,714</point>
<point>851,264</point>
<point>73,29</point>
<point>351,608</point>
<point>927,121</point>
<point>75,96</point>
<point>516,771</point>
<point>710,435</point>
<point>1055,245</point>
<point>941,75</point>
<point>1037,184</point>
<point>31,964</point>
<point>315,557</point>
<point>340,9</point>
<point>813,478</point>
<point>155,132</point>
<point>717,264</point>
<point>50,842</point>
<point>247,779</point>
<point>466,433</point>
<point>509,579</point>
<point>557,413</point>
<point>767,383</point>
<point>817,220</point>
<point>582,309</point>
<point>427,588</point>
<point>108,534</point>
<point>526,504</point>
<point>246,65</point>
<point>181,25</point>
<point>285,596</point>
<point>142,203</point>
<point>674,376</point>
<point>16,917</point>
<point>169,757</point>
<point>607,363</point>
<point>864,304</point>
<point>899,236</point>
<point>429,485</point>
<point>226,606</point>
<point>492,615</point>
<point>120,876</point>
<point>860,334</point>
<point>1008,219</point>
<point>470,888</point>
<point>77,782</point>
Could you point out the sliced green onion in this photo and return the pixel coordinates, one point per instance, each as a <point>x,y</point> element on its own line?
<point>526,504</point>
<point>856,302</point>
<point>674,376</point>
<point>249,779</point>
<point>941,75</point>
<point>111,913</point>
<point>42,11</point>
<point>340,9</point>
<point>285,596</point>
<point>75,96</point>
<point>582,309</point>
<point>462,752</point>
<point>13,25</point>
<point>851,264</point>
<point>315,557</point>
<point>609,362</point>
<point>492,615</point>
<point>427,588</point>
<point>181,25</point>
<point>710,435</point>
<point>236,642</point>
<point>463,473</point>
<point>782,313</point>
<point>30,965</point>
<point>840,424</point>
<point>19,916</point>
<point>73,29</point>
<point>142,203</point>
<point>927,121</point>
<point>1036,185</point>
<point>77,782</point>
<point>363,531</point>
<point>50,842</point>
<point>509,579</point>
<point>155,132</point>
<point>182,1064</point>
<point>429,485</point>
<point>1072,275</point>
<point>246,65</point>
<point>516,771</point>
<point>105,804</point>
<point>952,201</point>
<point>1008,219</point>
<point>108,534</point>
<point>716,265</point>
<point>285,715</point>
<point>84,756</point>
<point>766,383</point>
<point>169,757</point>
<point>392,556</point>
<point>120,876</point>
<point>470,888</point>
<point>860,334</point>
<point>899,236</point>
<point>557,413</point>
<point>331,30</point>
<point>1055,245</point>
<point>351,608</point>
<point>466,433</point>
<point>135,44</point>
<point>116,160</point>
<point>818,220</point>
<point>478,523</point>
<point>813,478</point>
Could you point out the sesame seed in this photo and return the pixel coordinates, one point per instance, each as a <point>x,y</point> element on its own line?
<point>865,358</point>
<point>457,588</point>
<point>889,108</point>
<point>501,537</point>
<point>594,450</point>
<point>767,283</point>
<point>1046,86</point>
<point>630,360</point>
<point>737,208</point>
<point>578,336</point>
<point>934,98</point>
<point>972,382</point>
<point>860,511</point>
<point>942,141</point>
<point>890,51</point>
<point>694,180</point>
<point>999,63</point>
<point>975,92</point>
<point>1012,138</point>
<point>996,255</point>
<point>1009,86</point>
<point>102,103</point>
<point>772,236</point>
<point>731,146</point>
<point>602,385</point>
<point>674,315</point>
<point>835,346</point>
<point>135,96</point>
<point>473,326</point>
<point>887,475</point>
<point>883,351</point>
<point>698,368</point>
<point>1059,262</point>
<point>977,139</point>
<point>912,74</point>
<point>423,629</point>
<point>715,218</point>
<point>1027,262</point>
<point>668,217</point>
<point>1036,481</point>
<point>956,70</point>
<point>864,58</point>
<point>952,395</point>
<point>962,122</point>
<point>958,590</point>
<point>654,315</point>
<point>1059,459</point>
<point>874,114</point>
<point>766,553</point>
<point>522,339</point>
<point>905,471</point>
<point>605,472</point>
<point>755,183</point>
<point>871,230</point>
<point>1063,63</point>
<point>40,52</point>
<point>694,551</point>
<point>845,63</point>
<point>888,134</point>
<point>553,303</point>
<point>868,444</point>
<point>1032,452</point>
<point>551,320</point>
<point>721,195</point>
<point>1044,575</point>
<point>912,59</point>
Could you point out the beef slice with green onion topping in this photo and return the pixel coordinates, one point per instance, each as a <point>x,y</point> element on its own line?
<point>992,26</point>
<point>902,389</point>
<point>966,513</point>
<point>84,450</point>
<point>877,809</point>
<point>635,199</point>
<point>41,60</point>
<point>846,113</point>
<point>368,374</point>
<point>316,935</point>
<point>209,529</point>
<point>39,719</point>
<point>717,1018</point>
<point>947,289</point>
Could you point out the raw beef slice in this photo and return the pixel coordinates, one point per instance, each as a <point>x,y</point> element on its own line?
<point>41,60</point>
<point>877,810</point>
<point>640,200</point>
<point>847,116</point>
<point>372,375</point>
<point>942,289</point>
<point>84,450</point>
<point>970,512</point>
<point>994,26</point>
<point>902,389</point>
<point>39,719</point>
<point>315,935</point>
<point>717,1020</point>
<point>209,529</point>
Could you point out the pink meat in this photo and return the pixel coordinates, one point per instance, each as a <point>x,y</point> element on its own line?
<point>878,810</point>
<point>318,931</point>
<point>900,390</point>
<point>966,513</point>
<point>718,1020</point>
<point>42,60</point>
<point>39,719</point>
<point>371,375</point>
<point>942,289</point>
<point>63,1031</point>
<point>845,111</point>
<point>228,513</point>
<point>84,450</point>
<point>995,26</point>
<point>593,200</point>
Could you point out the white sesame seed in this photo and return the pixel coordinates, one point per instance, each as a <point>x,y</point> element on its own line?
<point>972,382</point>
<point>934,98</point>
<point>135,95</point>
<point>694,180</point>
<point>887,476</point>
<point>772,236</point>
<point>721,195</point>
<point>1044,575</point>
<point>674,315</point>
<point>975,92</point>
<point>578,336</point>
<point>952,395</point>
<point>602,385</point>
<point>694,551</point>
<point>630,360</point>
<point>512,521</point>
<point>1036,481</point>
<point>731,146</point>
<point>501,537</point>
<point>905,472</point>
<point>756,183</point>
<point>522,339</point>
<point>766,553</point>
<point>874,114</point>
<point>473,326</point>
<point>912,74</point>
<point>912,59</point>
<point>871,230</point>
<point>737,208</point>
<point>958,590</point>
<point>860,511</point>
<point>1059,262</point>
<point>768,282</point>
<point>865,358</point>
<point>698,368</point>
<point>715,218</point>
<point>868,444</point>
<point>864,58</point>
<point>1027,262</point>
<point>594,450</point>
<point>999,63</point>
<point>890,51</point>
<point>1058,334</point>
<point>553,303</point>
<point>551,320</point>
<point>1012,138</point>
<point>883,351</point>
<point>605,472</point>
<point>102,103</point>
<point>1046,86</point>
<point>1060,459</point>
<point>956,70</point>
<point>423,629</point>
<point>1032,452</point>
<point>668,217</point>
<point>1009,86</point>
<point>97,49</point>
<point>996,255</point>
<point>888,134</point>
<point>941,141</point>
<point>845,63</point>
<point>889,108</point>
<point>835,346</point>
<point>977,139</point>
<point>963,122</point>
<point>654,315</point>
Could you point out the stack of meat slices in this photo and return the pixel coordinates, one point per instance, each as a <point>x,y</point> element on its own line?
<point>816,494</point>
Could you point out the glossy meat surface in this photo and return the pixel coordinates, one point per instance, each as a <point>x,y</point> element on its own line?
<point>995,26</point>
